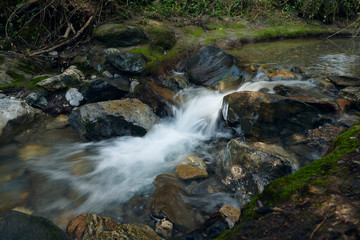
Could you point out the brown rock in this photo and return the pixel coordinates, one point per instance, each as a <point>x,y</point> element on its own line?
<point>164,228</point>
<point>187,172</point>
<point>278,75</point>
<point>31,151</point>
<point>128,232</point>
<point>87,225</point>
<point>231,213</point>
<point>343,104</point>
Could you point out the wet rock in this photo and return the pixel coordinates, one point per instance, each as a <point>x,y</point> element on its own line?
<point>161,38</point>
<point>83,61</point>
<point>344,81</point>
<point>37,99</point>
<point>325,84</point>
<point>324,105</point>
<point>88,225</point>
<point>118,35</point>
<point>157,97</point>
<point>193,168</point>
<point>353,95</point>
<point>128,232</point>
<point>264,115</point>
<point>15,115</point>
<point>344,105</point>
<point>164,228</point>
<point>128,62</point>
<point>20,226</point>
<point>249,167</point>
<point>321,138</point>
<point>281,75</point>
<point>283,90</point>
<point>176,82</point>
<point>107,89</point>
<point>297,69</point>
<point>168,199</point>
<point>30,151</point>
<point>210,65</point>
<point>59,122</point>
<point>74,97</point>
<point>102,120</point>
<point>69,77</point>
<point>231,214</point>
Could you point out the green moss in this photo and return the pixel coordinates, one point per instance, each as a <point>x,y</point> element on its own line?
<point>195,31</point>
<point>32,83</point>
<point>2,59</point>
<point>16,76</point>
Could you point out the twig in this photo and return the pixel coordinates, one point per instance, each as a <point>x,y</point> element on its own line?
<point>344,28</point>
<point>317,228</point>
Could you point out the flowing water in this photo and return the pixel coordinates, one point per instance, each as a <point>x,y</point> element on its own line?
<point>69,177</point>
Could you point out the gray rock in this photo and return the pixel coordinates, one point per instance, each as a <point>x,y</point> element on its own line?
<point>128,62</point>
<point>74,97</point>
<point>353,95</point>
<point>118,35</point>
<point>69,77</point>
<point>107,89</point>
<point>211,65</point>
<point>113,118</point>
<point>14,116</point>
<point>345,81</point>
<point>14,69</point>
<point>36,99</point>
<point>20,226</point>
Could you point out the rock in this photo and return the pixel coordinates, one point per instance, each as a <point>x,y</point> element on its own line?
<point>102,120</point>
<point>20,226</point>
<point>176,82</point>
<point>53,54</point>
<point>161,38</point>
<point>107,74</point>
<point>31,151</point>
<point>164,228</point>
<point>168,199</point>
<point>280,75</point>
<point>324,105</point>
<point>128,62</point>
<point>159,98</point>
<point>118,35</point>
<point>128,232</point>
<point>107,89</point>
<point>59,122</point>
<point>74,97</point>
<point>83,61</point>
<point>264,115</point>
<point>321,138</point>
<point>69,77</point>
<point>13,69</point>
<point>353,95</point>
<point>345,81</point>
<point>283,90</point>
<point>15,115</point>
<point>344,105</point>
<point>37,99</point>
<point>298,70</point>
<point>87,225</point>
<point>249,167</point>
<point>57,104</point>
<point>194,168</point>
<point>231,214</point>
<point>211,65</point>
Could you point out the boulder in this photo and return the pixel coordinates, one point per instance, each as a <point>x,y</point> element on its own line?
<point>107,89</point>
<point>345,81</point>
<point>210,65</point>
<point>176,82</point>
<point>119,35</point>
<point>74,97</point>
<point>69,77</point>
<point>14,116</point>
<point>37,99</point>
<point>265,115</point>
<point>87,225</point>
<point>353,95</point>
<point>103,120</point>
<point>133,63</point>
<point>192,168</point>
<point>281,75</point>
<point>168,199</point>
<point>249,167</point>
<point>20,226</point>
<point>161,38</point>
<point>128,232</point>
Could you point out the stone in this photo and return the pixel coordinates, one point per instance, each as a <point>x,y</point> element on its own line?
<point>210,65</point>
<point>15,69</point>
<point>103,120</point>
<point>32,151</point>
<point>107,89</point>
<point>53,54</point>
<point>88,225</point>
<point>176,82</point>
<point>107,74</point>
<point>20,226</point>
<point>83,61</point>
<point>133,63</point>
<point>37,99</point>
<point>194,168</point>
<point>265,115</point>
<point>119,35</point>
<point>69,77</point>
<point>164,228</point>
<point>344,105</point>
<point>168,199</point>
<point>74,97</point>
<point>345,81</point>
<point>59,122</point>
<point>281,75</point>
<point>231,214</point>
<point>128,232</point>
<point>15,115</point>
<point>353,95</point>
<point>321,138</point>
<point>57,104</point>
<point>161,38</point>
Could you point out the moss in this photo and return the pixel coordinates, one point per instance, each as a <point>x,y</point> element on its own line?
<point>195,31</point>
<point>2,59</point>
<point>16,76</point>
<point>32,83</point>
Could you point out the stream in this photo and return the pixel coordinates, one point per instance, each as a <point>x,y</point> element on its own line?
<point>51,172</point>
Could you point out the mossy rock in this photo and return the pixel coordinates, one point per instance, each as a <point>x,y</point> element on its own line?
<point>161,38</point>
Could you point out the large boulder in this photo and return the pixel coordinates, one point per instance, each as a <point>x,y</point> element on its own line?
<point>161,38</point>
<point>128,62</point>
<point>249,167</point>
<point>265,115</point>
<point>118,35</point>
<point>107,89</point>
<point>128,232</point>
<point>69,77</point>
<point>102,120</point>
<point>345,81</point>
<point>210,65</point>
<point>20,226</point>
<point>14,116</point>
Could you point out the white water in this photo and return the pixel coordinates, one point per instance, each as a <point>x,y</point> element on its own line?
<point>126,166</point>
